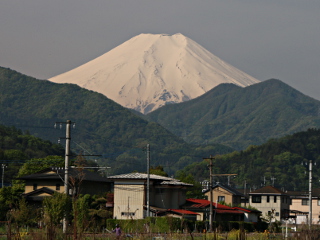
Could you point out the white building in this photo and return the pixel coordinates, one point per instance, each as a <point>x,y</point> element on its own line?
<point>270,200</point>
<point>130,195</point>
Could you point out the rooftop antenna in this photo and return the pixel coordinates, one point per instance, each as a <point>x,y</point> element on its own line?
<point>272,179</point>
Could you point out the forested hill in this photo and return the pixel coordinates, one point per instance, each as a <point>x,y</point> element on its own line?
<point>283,160</point>
<point>239,117</point>
<point>17,147</point>
<point>103,127</point>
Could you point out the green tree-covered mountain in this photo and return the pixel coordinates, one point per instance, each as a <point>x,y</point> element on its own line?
<point>102,126</point>
<point>285,160</point>
<point>239,117</point>
<point>16,148</point>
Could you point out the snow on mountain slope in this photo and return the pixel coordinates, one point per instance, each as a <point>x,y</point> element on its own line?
<point>151,70</point>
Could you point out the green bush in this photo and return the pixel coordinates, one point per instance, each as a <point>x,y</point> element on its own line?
<point>170,225</point>
<point>230,225</point>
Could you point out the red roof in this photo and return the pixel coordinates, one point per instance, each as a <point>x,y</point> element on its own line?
<point>182,211</point>
<point>245,209</point>
<point>199,203</point>
<point>242,209</point>
<point>227,211</point>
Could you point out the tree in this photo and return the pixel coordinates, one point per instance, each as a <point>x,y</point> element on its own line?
<point>9,198</point>
<point>99,212</point>
<point>158,171</point>
<point>269,218</point>
<point>196,190</point>
<point>55,209</point>
<point>37,164</point>
<point>80,206</point>
<point>22,214</point>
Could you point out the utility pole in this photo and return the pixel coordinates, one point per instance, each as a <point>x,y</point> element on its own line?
<point>66,169</point>
<point>66,166</point>
<point>225,174</point>
<point>2,179</point>
<point>148,180</point>
<point>128,208</point>
<point>211,193</point>
<point>66,161</point>
<point>245,192</point>
<point>310,194</point>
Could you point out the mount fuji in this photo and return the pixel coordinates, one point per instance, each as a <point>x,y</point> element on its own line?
<point>151,70</point>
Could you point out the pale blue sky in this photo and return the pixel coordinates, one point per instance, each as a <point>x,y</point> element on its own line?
<point>266,39</point>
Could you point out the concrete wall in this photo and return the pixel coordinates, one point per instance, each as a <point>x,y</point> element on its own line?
<point>168,197</point>
<point>43,183</point>
<point>297,205</point>
<point>129,201</point>
<point>282,203</point>
<point>229,198</point>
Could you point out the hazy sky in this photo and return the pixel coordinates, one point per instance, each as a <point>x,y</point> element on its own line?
<point>264,38</point>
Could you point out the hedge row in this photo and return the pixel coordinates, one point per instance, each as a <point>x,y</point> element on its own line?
<point>170,224</point>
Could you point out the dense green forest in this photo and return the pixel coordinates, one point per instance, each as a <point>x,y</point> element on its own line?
<point>285,160</point>
<point>239,117</point>
<point>17,147</point>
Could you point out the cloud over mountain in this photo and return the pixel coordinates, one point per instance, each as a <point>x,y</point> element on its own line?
<point>151,70</point>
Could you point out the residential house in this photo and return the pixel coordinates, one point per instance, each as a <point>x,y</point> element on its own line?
<point>250,215</point>
<point>224,193</point>
<point>299,206</point>
<point>182,213</point>
<point>271,201</point>
<point>131,195</point>
<point>220,212</point>
<point>48,181</point>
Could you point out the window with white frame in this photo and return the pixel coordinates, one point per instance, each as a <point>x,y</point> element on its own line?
<point>256,199</point>
<point>221,198</point>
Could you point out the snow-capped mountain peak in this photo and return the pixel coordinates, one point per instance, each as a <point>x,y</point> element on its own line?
<point>151,70</point>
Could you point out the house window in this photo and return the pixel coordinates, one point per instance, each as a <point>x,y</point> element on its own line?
<point>305,202</point>
<point>256,199</point>
<point>268,198</point>
<point>275,199</point>
<point>277,213</point>
<point>35,186</point>
<point>221,198</point>
<point>129,214</point>
<point>58,186</point>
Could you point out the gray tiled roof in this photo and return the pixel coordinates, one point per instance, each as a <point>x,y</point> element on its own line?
<point>268,190</point>
<point>141,176</point>
<point>144,176</point>
<point>176,182</point>
<point>226,187</point>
